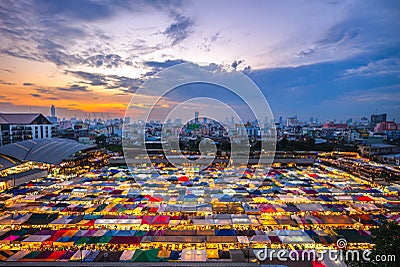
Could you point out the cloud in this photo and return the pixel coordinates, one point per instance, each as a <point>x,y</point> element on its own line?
<point>6,83</point>
<point>209,41</point>
<point>333,90</point>
<point>7,70</point>
<point>77,9</point>
<point>123,83</point>
<point>36,95</point>
<point>74,88</point>
<point>160,65</point>
<point>52,98</point>
<point>236,63</point>
<point>360,28</point>
<point>306,53</point>
<point>108,61</point>
<point>94,79</point>
<point>339,33</point>
<point>66,33</point>
<point>180,29</point>
<point>28,84</point>
<point>43,90</point>
<point>380,67</point>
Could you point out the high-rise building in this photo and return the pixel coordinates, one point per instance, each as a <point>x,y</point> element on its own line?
<point>292,121</point>
<point>196,117</point>
<point>280,122</point>
<point>127,120</point>
<point>377,118</point>
<point>52,118</point>
<point>53,111</point>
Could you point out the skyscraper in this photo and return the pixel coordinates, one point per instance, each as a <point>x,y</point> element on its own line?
<point>196,117</point>
<point>53,111</point>
<point>377,118</point>
<point>52,118</point>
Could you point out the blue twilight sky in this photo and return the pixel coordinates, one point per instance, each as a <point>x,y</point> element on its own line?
<point>323,59</point>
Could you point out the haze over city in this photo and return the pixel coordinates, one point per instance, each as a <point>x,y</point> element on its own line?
<point>330,60</point>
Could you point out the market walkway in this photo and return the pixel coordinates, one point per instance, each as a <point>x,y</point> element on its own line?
<point>136,264</point>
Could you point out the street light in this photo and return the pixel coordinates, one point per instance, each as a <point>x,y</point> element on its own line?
<point>248,253</point>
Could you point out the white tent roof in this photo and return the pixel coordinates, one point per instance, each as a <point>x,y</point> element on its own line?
<point>310,207</point>
<point>243,239</point>
<point>100,232</point>
<point>193,255</point>
<point>127,255</point>
<point>80,254</point>
<point>20,254</point>
<point>62,220</point>
<point>260,239</point>
<point>36,238</point>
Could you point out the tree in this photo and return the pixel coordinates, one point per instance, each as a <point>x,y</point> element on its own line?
<point>101,139</point>
<point>387,242</point>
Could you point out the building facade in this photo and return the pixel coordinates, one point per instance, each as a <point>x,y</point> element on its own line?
<point>15,127</point>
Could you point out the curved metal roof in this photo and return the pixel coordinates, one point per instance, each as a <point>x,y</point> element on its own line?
<point>7,162</point>
<point>52,151</point>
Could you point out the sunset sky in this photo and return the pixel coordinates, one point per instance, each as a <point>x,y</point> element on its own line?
<point>325,59</point>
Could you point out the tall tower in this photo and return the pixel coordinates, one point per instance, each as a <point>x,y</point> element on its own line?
<point>53,111</point>
<point>196,117</point>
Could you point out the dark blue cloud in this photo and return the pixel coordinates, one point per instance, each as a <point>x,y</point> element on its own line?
<point>43,90</point>
<point>370,24</point>
<point>159,65</point>
<point>46,31</point>
<point>180,29</point>
<point>78,9</point>
<point>122,83</point>
<point>236,63</point>
<point>108,61</point>
<point>28,84</point>
<point>328,91</point>
<point>93,78</point>
<point>74,88</point>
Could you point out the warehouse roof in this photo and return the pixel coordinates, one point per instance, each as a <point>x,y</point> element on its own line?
<point>52,151</point>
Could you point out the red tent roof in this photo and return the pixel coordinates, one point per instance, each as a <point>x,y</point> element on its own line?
<point>183,179</point>
<point>125,240</point>
<point>267,208</point>
<point>156,220</point>
<point>317,264</point>
<point>364,198</point>
<point>56,254</point>
<point>162,219</point>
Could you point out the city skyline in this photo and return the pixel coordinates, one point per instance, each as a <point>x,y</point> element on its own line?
<point>341,61</point>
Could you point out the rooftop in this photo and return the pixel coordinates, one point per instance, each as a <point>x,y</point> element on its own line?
<point>52,151</point>
<point>23,118</point>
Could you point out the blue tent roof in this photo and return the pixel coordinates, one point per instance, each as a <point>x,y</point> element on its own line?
<point>225,232</point>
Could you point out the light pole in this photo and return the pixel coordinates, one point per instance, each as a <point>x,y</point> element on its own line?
<point>248,253</point>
